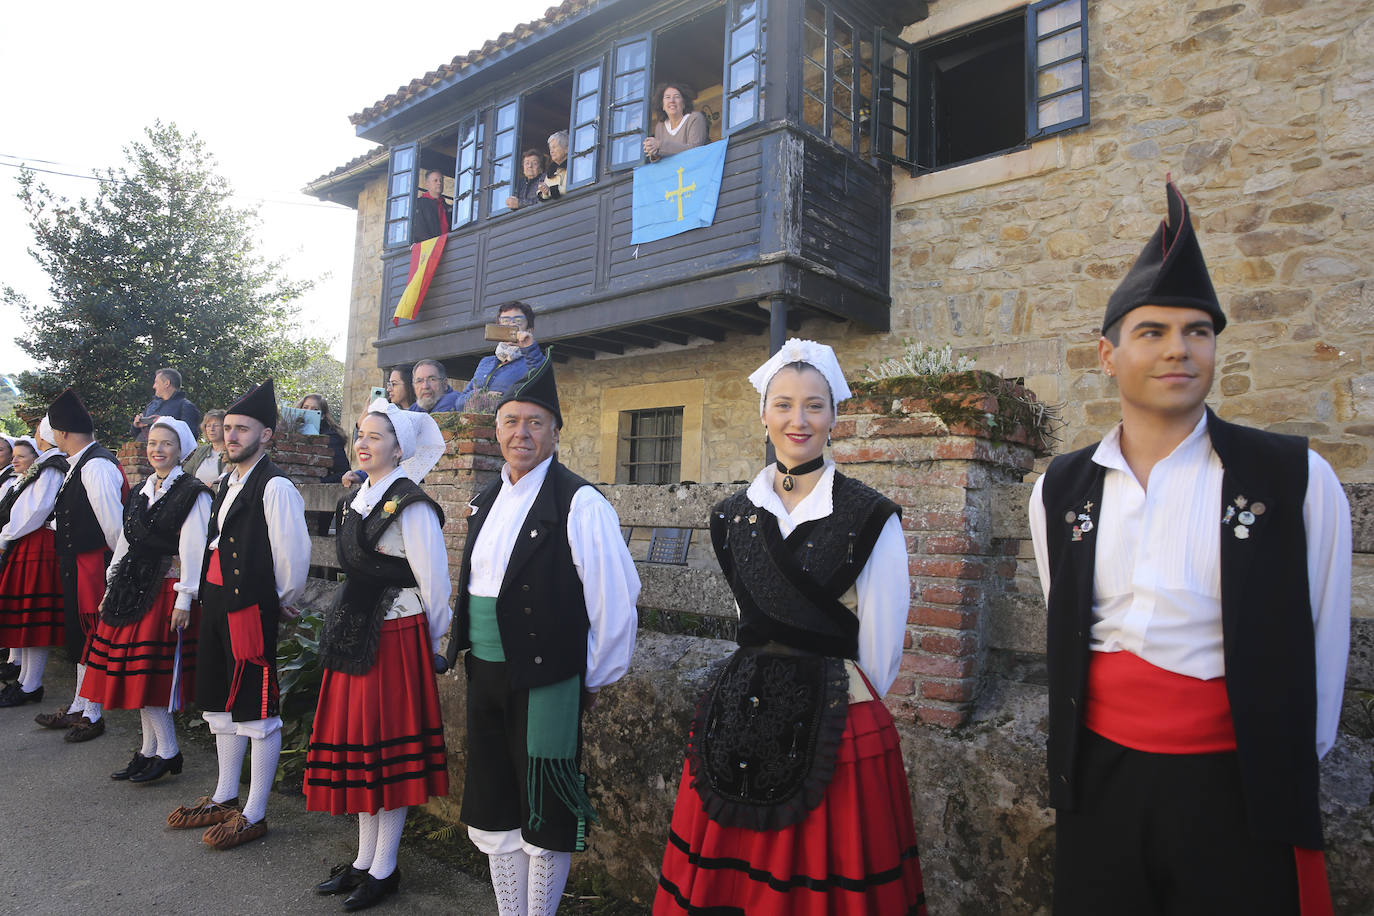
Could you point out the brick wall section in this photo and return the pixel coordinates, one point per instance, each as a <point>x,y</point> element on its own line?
<point>304,458</point>
<point>944,475</point>
<point>470,462</point>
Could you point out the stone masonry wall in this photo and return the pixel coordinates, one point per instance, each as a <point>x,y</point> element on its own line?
<point>360,358</point>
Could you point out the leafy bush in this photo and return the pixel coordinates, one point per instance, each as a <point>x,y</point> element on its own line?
<point>299,674</point>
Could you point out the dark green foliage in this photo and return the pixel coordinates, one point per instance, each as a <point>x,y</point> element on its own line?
<point>299,675</point>
<point>157,269</point>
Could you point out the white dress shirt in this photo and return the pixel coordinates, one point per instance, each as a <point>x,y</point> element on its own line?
<point>104,483</point>
<point>208,472</point>
<point>32,507</point>
<point>418,538</point>
<point>1157,573</point>
<point>883,586</point>
<point>190,543</point>
<point>286,532</point>
<point>610,584</point>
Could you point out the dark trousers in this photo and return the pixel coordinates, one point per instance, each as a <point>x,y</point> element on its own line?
<point>1165,834</point>
<point>258,695</point>
<point>495,794</point>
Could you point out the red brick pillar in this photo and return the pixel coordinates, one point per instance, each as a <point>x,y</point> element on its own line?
<point>938,447</point>
<point>471,461</point>
<point>133,458</point>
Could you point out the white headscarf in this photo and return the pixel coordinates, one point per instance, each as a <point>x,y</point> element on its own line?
<point>817,355</point>
<point>184,434</point>
<point>422,443</point>
<point>45,432</point>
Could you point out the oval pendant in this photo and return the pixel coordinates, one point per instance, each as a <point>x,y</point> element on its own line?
<point>787,483</point>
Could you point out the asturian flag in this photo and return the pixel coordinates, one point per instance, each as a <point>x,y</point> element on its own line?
<point>424,258</point>
<point>677,193</point>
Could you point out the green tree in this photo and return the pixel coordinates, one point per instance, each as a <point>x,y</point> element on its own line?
<point>157,269</point>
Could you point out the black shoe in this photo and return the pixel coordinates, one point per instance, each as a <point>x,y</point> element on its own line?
<point>9,671</point>
<point>157,768</point>
<point>341,878</point>
<point>14,695</point>
<point>373,891</point>
<point>134,768</point>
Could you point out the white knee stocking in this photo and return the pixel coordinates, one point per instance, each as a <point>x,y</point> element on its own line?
<point>79,702</point>
<point>389,827</point>
<point>230,750</point>
<point>165,729</point>
<point>548,877</point>
<point>509,878</point>
<point>34,661</point>
<point>149,747</point>
<point>367,841</point>
<point>266,751</point>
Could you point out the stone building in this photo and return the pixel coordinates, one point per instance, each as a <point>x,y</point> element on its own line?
<point>1032,172</point>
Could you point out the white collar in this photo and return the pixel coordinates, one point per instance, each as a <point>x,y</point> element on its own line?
<point>532,480</point>
<point>74,458</point>
<point>672,131</point>
<point>172,475</point>
<point>1108,453</point>
<point>369,494</point>
<point>817,503</point>
<point>238,475</point>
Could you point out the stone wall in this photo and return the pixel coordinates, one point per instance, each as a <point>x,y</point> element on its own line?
<point>361,373</point>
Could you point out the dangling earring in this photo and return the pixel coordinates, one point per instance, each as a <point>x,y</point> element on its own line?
<point>827,438</point>
<point>765,434</point>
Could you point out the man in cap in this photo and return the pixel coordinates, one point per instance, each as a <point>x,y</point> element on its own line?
<point>1197,574</point>
<point>257,557</point>
<point>86,522</point>
<point>546,606</point>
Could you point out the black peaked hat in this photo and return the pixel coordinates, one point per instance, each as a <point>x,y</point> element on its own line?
<point>538,387</point>
<point>1170,271</point>
<point>260,403</point>
<point>67,414</point>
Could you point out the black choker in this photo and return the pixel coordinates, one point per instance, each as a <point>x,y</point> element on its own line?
<point>815,464</point>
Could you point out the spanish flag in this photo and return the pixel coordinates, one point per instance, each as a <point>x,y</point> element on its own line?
<point>424,258</point>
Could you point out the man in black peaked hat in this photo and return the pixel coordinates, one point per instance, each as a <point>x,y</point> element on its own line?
<point>1197,574</point>
<point>87,518</point>
<point>546,608</point>
<point>257,556</point>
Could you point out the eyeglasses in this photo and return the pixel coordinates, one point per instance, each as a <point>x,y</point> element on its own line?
<point>516,321</point>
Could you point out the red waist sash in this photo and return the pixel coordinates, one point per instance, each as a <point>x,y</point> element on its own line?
<point>1142,706</point>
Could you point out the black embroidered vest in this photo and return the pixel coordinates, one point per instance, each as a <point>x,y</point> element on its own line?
<point>1267,631</point>
<point>245,550</point>
<point>540,611</point>
<point>78,530</point>
<point>54,462</point>
<point>153,533</point>
<point>352,626</point>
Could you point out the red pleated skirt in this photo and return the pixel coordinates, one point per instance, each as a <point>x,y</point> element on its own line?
<point>131,666</point>
<point>854,855</point>
<point>378,738</point>
<point>31,594</point>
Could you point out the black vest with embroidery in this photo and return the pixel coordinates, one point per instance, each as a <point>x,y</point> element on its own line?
<point>245,549</point>
<point>353,625</point>
<point>54,462</point>
<point>154,534</point>
<point>78,530</point>
<point>763,743</point>
<point>541,611</point>
<point>1267,631</point>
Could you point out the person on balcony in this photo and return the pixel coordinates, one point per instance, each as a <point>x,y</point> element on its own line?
<point>794,797</point>
<point>431,208</point>
<point>512,361</point>
<point>399,389</point>
<point>527,183</point>
<point>207,461</point>
<point>556,172</point>
<point>678,127</point>
<point>432,392</point>
<point>168,401</point>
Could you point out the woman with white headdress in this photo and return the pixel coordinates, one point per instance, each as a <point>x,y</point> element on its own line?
<point>794,798</point>
<point>9,670</point>
<point>377,746</point>
<point>142,654</point>
<point>31,616</point>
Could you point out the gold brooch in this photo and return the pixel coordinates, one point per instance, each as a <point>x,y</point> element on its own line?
<point>390,507</point>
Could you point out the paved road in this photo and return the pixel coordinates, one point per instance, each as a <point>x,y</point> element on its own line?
<point>73,841</point>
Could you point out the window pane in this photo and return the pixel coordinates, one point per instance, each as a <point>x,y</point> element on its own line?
<point>467,156</point>
<point>815,15</point>
<point>743,106</point>
<point>505,144</point>
<point>1057,17</point>
<point>403,160</point>
<point>462,210</point>
<point>586,110</point>
<point>742,72</point>
<point>588,81</point>
<point>633,56</point>
<point>745,38</point>
<point>398,233</point>
<point>843,67</point>
<point>585,138</point>
<point>400,184</point>
<point>627,149</point>
<point>844,35</point>
<point>1059,47</point>
<point>626,119</point>
<point>842,100</point>
<point>500,171</point>
<point>745,9</point>
<point>813,44</point>
<point>841,130</point>
<point>583,167</point>
<point>630,86</point>
<point>399,208</point>
<point>505,116</point>
<point>1056,79</point>
<point>1060,109</point>
<point>463,185</point>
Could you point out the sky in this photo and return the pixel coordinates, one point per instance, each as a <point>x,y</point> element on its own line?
<point>268,86</point>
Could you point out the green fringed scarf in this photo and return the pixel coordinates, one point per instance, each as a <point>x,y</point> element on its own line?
<point>551,746</point>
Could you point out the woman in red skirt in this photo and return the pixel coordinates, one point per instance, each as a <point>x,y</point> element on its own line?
<point>794,799</point>
<point>9,669</point>
<point>30,585</point>
<point>377,746</point>
<point>142,654</point>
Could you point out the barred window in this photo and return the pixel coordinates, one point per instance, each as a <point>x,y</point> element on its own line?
<point>650,446</point>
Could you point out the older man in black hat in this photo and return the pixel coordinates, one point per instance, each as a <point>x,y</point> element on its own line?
<point>1198,580</point>
<point>546,606</point>
<point>257,557</point>
<point>87,519</point>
